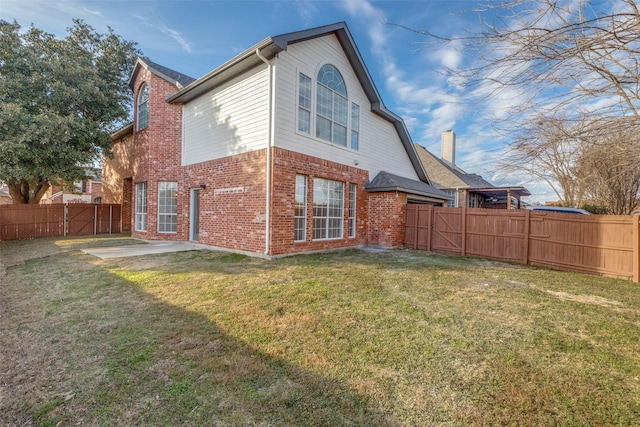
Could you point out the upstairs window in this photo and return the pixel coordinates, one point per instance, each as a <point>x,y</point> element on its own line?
<point>331,106</point>
<point>143,107</point>
<point>304,104</point>
<point>334,119</point>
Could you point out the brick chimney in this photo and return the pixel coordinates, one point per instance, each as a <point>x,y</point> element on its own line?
<point>449,147</point>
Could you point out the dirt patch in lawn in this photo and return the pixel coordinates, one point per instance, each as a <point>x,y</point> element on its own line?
<point>586,299</point>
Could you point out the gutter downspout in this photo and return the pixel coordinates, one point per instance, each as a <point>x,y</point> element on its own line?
<point>271,97</point>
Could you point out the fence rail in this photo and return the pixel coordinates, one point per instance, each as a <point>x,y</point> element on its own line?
<point>36,221</point>
<point>597,244</point>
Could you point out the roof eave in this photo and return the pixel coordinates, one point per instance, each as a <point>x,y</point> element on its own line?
<point>235,66</point>
<point>122,132</point>
<point>408,191</point>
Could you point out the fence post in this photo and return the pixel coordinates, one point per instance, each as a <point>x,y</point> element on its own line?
<point>527,232</point>
<point>463,226</point>
<point>95,219</point>
<point>64,220</point>
<point>415,225</point>
<point>110,218</point>
<point>430,213</point>
<point>636,248</point>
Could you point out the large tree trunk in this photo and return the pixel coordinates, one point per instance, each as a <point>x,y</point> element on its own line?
<point>21,194</point>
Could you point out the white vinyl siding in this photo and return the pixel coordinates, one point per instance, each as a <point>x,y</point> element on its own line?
<point>231,119</point>
<point>379,146</point>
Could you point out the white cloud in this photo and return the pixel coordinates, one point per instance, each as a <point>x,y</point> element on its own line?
<point>177,36</point>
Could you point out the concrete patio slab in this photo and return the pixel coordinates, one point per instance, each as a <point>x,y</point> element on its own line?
<point>142,249</point>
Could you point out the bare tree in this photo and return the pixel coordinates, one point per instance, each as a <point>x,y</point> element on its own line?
<point>547,150</point>
<point>566,74</point>
<point>610,171</point>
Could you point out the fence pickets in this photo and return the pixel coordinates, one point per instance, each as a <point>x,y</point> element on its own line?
<point>599,244</point>
<point>36,221</point>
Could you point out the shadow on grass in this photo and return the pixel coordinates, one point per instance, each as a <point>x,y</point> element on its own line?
<point>83,345</point>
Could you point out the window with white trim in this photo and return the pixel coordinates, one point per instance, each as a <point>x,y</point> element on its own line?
<point>352,210</point>
<point>328,209</point>
<point>304,103</point>
<point>452,203</point>
<point>355,126</point>
<point>330,115</point>
<point>167,207</point>
<point>141,207</point>
<point>300,215</point>
<point>143,107</point>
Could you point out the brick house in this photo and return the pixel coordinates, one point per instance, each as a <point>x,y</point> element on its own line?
<point>466,189</point>
<point>87,191</point>
<point>286,148</point>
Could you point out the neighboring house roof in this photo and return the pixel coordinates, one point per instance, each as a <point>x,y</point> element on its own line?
<point>443,175</point>
<point>386,181</point>
<point>174,77</point>
<point>271,46</point>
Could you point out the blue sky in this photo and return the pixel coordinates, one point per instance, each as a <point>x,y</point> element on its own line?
<point>194,37</point>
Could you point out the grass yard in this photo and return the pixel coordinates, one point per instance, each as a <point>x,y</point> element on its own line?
<point>346,338</point>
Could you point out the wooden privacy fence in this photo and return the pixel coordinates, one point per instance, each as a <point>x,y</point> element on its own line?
<point>35,221</point>
<point>598,244</point>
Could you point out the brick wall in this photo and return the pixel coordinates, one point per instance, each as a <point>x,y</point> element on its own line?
<point>386,218</point>
<point>286,165</point>
<point>116,169</point>
<point>233,204</point>
<point>156,152</point>
<point>127,205</point>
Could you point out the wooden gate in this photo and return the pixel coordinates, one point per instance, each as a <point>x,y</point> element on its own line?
<point>81,219</point>
<point>36,221</point>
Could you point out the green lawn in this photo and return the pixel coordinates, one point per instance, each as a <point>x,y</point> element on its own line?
<point>346,338</point>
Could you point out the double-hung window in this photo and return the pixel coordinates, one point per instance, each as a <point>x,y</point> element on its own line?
<point>167,207</point>
<point>332,117</point>
<point>352,210</point>
<point>141,207</point>
<point>328,209</point>
<point>304,104</point>
<point>143,107</point>
<point>300,215</point>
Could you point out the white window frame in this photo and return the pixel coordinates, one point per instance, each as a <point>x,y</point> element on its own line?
<point>142,106</point>
<point>352,209</point>
<point>328,209</point>
<point>140,222</point>
<point>310,111</point>
<point>305,103</point>
<point>300,209</point>
<point>167,207</point>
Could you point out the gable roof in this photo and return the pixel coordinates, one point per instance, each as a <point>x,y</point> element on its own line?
<point>271,46</point>
<point>443,175</point>
<point>386,181</point>
<point>174,77</point>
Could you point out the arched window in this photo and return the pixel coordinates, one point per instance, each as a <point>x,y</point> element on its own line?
<point>332,107</point>
<point>143,107</point>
